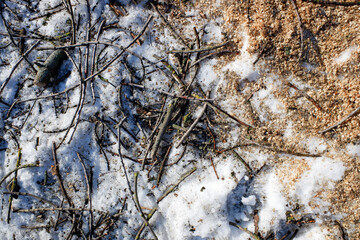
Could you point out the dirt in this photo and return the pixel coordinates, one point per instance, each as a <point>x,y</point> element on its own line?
<point>300,40</point>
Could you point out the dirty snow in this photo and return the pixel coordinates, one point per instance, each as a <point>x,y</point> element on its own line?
<point>202,205</point>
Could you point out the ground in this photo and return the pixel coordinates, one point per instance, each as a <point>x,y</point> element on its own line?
<point>261,161</point>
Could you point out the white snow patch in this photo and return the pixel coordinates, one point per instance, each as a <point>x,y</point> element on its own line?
<point>345,55</point>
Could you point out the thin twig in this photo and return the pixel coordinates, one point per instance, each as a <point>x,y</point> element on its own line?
<point>193,125</point>
<point>14,184</point>
<point>171,188</point>
<point>214,106</point>
<point>169,25</point>
<point>301,27</point>
<point>168,93</point>
<point>138,206</point>
<point>201,49</point>
<point>31,195</point>
<point>148,217</point>
<point>206,57</point>
<point>10,34</point>
<point>212,163</point>
<point>162,165</point>
<point>16,65</point>
<point>304,94</point>
<point>58,175</point>
<point>163,127</point>
<point>248,168</point>
<point>93,60</point>
<point>121,157</point>
<point>71,209</point>
<point>245,230</point>
<point>89,191</point>
<point>352,114</point>
<point>92,75</point>
<point>18,168</point>
<point>333,3</point>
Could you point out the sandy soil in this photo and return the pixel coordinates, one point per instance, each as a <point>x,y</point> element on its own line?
<point>301,41</point>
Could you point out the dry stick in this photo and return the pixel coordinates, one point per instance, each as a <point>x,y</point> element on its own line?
<point>89,191</point>
<point>58,216</point>
<point>169,25</point>
<point>10,10</point>
<point>352,114</point>
<point>97,42</point>
<point>304,94</point>
<point>168,93</point>
<point>138,206</point>
<point>58,175</point>
<point>207,56</point>
<point>172,187</point>
<point>245,230</point>
<point>67,4</point>
<point>6,45</point>
<point>94,74</point>
<point>14,185</point>
<point>80,107</point>
<point>253,143</point>
<point>123,49</point>
<point>18,168</point>
<point>121,157</point>
<point>326,3</point>
<point>87,38</point>
<point>40,97</point>
<point>44,226</point>
<point>93,60</point>
<point>215,107</point>
<point>46,14</point>
<point>162,165</point>
<point>212,163</point>
<point>28,115</point>
<point>201,49</point>
<point>301,27</point>
<point>71,209</point>
<point>76,117</point>
<point>342,230</point>
<point>262,51</point>
<point>163,127</point>
<point>248,168</point>
<point>106,125</point>
<point>70,234</point>
<point>208,124</point>
<point>148,217</point>
<point>102,150</point>
<point>31,195</point>
<point>13,41</point>
<point>179,158</point>
<point>193,125</point>
<point>158,121</point>
<point>16,65</point>
<point>15,35</point>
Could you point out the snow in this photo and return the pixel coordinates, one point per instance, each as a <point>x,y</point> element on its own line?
<point>345,55</point>
<point>202,205</point>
